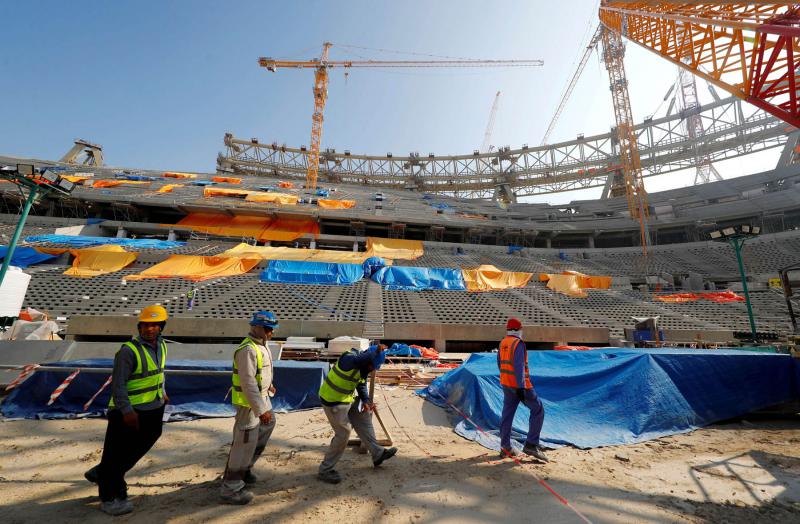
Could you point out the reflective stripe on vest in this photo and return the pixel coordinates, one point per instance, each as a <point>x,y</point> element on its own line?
<point>238,398</point>
<point>146,383</point>
<point>340,385</point>
<point>506,363</point>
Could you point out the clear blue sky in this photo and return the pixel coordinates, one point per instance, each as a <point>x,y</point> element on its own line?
<point>158,83</point>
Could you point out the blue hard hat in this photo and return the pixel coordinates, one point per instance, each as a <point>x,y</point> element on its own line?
<point>378,357</point>
<point>264,318</point>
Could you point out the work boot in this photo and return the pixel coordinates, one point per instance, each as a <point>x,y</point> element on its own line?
<point>386,455</point>
<point>116,507</point>
<point>331,477</point>
<point>92,475</point>
<point>240,498</point>
<point>508,452</point>
<point>250,478</point>
<point>535,451</point>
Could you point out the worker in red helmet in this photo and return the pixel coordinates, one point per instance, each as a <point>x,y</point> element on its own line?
<point>512,359</point>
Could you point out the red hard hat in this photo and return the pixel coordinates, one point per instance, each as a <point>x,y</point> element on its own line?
<point>514,324</point>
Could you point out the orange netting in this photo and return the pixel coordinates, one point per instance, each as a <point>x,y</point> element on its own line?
<point>722,297</point>
<point>228,179</point>
<point>677,297</point>
<point>286,229</point>
<point>258,227</point>
<point>197,268</point>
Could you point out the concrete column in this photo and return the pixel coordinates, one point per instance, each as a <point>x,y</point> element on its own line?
<point>171,236</point>
<point>313,244</point>
<point>591,242</point>
<point>440,345</point>
<point>548,243</point>
<point>355,247</point>
<point>122,233</point>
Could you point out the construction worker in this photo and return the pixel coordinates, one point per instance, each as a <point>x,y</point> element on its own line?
<point>255,420</point>
<point>512,359</point>
<point>135,411</point>
<point>347,377</point>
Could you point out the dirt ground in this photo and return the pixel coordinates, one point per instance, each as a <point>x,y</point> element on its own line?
<point>748,472</point>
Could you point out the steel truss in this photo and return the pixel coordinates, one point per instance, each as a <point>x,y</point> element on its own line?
<point>731,129</point>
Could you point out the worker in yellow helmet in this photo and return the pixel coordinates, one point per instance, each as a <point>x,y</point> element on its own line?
<point>135,411</point>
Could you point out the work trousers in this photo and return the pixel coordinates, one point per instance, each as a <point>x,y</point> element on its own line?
<point>510,403</point>
<point>123,448</point>
<point>343,417</point>
<point>247,446</point>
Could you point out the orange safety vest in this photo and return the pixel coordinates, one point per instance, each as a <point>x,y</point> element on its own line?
<point>507,377</point>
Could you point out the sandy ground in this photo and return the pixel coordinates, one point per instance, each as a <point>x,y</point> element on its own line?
<point>739,472</point>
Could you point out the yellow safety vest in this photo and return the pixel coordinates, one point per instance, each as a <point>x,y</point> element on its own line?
<point>146,383</point>
<point>237,397</point>
<point>340,385</point>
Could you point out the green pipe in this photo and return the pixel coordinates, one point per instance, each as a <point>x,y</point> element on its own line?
<point>737,246</point>
<point>33,192</point>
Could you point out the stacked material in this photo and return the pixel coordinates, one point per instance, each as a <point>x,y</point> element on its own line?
<point>408,376</point>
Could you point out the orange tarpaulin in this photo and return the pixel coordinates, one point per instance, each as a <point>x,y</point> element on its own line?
<point>336,204</point>
<point>51,250</point>
<point>394,248</point>
<point>286,229</point>
<point>489,278</point>
<point>275,198</point>
<point>100,260</point>
<point>115,183</point>
<point>228,179</point>
<point>197,268</point>
<point>286,185</point>
<point>170,174</point>
<point>722,297</point>
<point>220,191</point>
<point>291,253</point>
<point>261,228</point>
<point>591,281</point>
<point>76,179</point>
<point>168,188</point>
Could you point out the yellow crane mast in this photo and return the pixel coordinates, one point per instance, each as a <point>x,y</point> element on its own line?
<point>321,67</point>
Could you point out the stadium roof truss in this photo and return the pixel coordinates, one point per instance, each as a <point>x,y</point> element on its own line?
<point>732,128</point>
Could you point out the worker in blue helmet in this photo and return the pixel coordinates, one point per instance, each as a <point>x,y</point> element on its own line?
<point>250,394</point>
<point>346,380</point>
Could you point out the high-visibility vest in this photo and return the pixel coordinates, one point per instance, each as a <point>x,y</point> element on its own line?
<point>237,397</point>
<point>146,383</point>
<point>340,385</point>
<point>506,361</point>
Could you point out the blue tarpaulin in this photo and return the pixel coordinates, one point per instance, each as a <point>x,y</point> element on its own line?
<point>79,241</point>
<point>399,349</point>
<point>419,278</point>
<point>25,256</point>
<point>514,249</point>
<point>323,193</point>
<point>619,396</point>
<point>440,205</point>
<point>137,178</point>
<point>371,265</point>
<point>202,182</point>
<point>191,396</point>
<point>301,272</point>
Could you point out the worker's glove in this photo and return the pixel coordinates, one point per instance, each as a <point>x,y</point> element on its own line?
<point>521,394</point>
<point>265,417</point>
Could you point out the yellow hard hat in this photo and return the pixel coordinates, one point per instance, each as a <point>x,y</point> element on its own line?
<point>153,314</point>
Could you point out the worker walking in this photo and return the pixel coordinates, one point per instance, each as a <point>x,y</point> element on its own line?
<point>135,411</point>
<point>512,359</point>
<point>337,395</point>
<point>255,420</point>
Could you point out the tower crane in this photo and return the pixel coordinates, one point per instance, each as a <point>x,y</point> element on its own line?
<point>323,64</point>
<point>487,137</point>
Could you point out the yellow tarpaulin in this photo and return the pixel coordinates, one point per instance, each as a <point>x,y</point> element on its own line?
<point>489,278</point>
<point>222,192</point>
<point>591,281</point>
<point>168,188</point>
<point>336,204</point>
<point>261,228</point>
<point>170,174</point>
<point>566,284</point>
<point>275,198</point>
<point>197,268</point>
<point>115,183</point>
<point>291,253</point>
<point>76,179</point>
<point>100,260</point>
<point>228,179</point>
<point>394,248</point>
